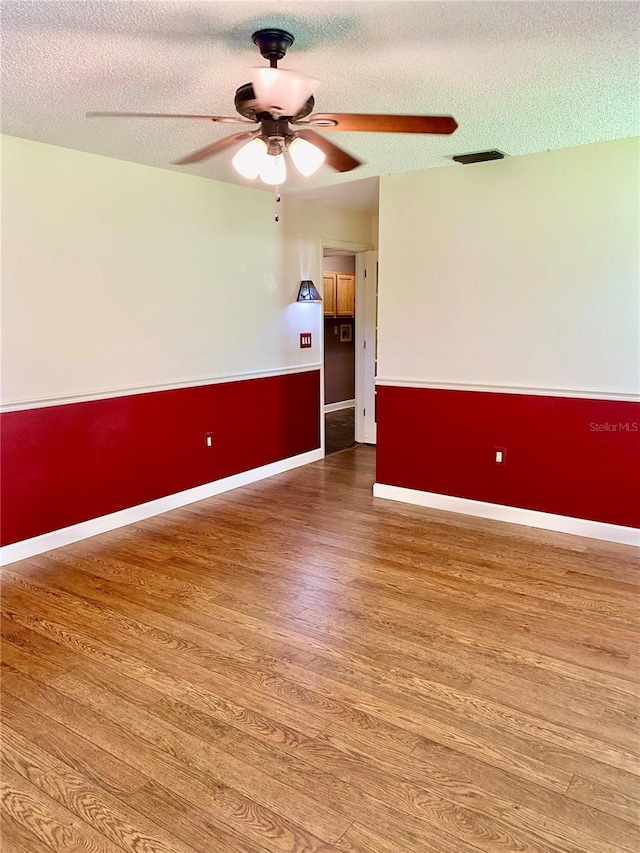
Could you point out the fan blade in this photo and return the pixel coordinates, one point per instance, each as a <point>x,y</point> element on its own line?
<point>230,119</point>
<point>336,157</point>
<point>216,147</point>
<point>384,123</point>
<point>282,92</point>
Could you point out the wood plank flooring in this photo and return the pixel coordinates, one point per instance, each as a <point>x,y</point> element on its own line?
<point>297,667</point>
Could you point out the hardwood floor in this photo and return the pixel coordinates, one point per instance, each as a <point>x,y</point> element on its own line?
<point>297,666</point>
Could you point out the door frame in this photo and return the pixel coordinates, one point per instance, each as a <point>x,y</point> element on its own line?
<point>357,249</point>
<point>366,347</point>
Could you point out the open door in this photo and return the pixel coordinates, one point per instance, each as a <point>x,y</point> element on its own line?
<point>366,346</point>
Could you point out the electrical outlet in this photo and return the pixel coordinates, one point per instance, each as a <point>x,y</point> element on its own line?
<point>500,456</point>
<point>208,438</point>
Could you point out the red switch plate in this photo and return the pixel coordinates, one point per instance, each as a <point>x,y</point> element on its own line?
<point>305,340</point>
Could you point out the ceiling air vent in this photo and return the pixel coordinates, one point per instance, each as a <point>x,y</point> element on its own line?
<point>479,156</point>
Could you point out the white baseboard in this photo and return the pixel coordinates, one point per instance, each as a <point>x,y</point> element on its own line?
<point>65,536</point>
<point>342,404</point>
<point>512,514</point>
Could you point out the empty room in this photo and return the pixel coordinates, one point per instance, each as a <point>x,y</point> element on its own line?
<point>320,431</point>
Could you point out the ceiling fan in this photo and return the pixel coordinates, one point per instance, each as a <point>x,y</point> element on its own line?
<point>279,104</point>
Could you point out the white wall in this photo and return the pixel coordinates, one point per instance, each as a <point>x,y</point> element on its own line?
<point>375,228</point>
<point>117,276</point>
<point>522,272</point>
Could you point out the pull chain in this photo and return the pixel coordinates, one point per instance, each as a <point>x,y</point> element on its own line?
<point>277,201</point>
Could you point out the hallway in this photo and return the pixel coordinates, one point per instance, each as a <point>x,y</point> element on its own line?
<point>339,430</point>
<point>297,666</point>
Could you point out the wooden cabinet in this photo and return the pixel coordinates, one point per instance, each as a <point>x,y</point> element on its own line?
<point>345,295</point>
<point>329,294</point>
<point>339,296</point>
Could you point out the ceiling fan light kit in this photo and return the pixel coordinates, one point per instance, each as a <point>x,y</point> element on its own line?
<point>306,157</point>
<point>281,102</point>
<point>273,170</point>
<point>248,160</point>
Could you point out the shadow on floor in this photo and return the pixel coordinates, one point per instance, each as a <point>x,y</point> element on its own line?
<point>339,430</point>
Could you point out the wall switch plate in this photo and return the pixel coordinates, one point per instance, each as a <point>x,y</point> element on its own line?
<point>305,340</point>
<point>208,438</point>
<point>500,455</point>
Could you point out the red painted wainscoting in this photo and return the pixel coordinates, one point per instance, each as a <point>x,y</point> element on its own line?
<point>65,464</point>
<point>564,455</point>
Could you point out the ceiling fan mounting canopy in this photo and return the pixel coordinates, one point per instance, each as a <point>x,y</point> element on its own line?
<point>273,43</point>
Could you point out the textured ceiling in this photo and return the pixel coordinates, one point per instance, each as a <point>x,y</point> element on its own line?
<point>517,76</point>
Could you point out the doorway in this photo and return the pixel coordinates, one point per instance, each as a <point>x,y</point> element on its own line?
<point>349,344</point>
<point>339,307</point>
